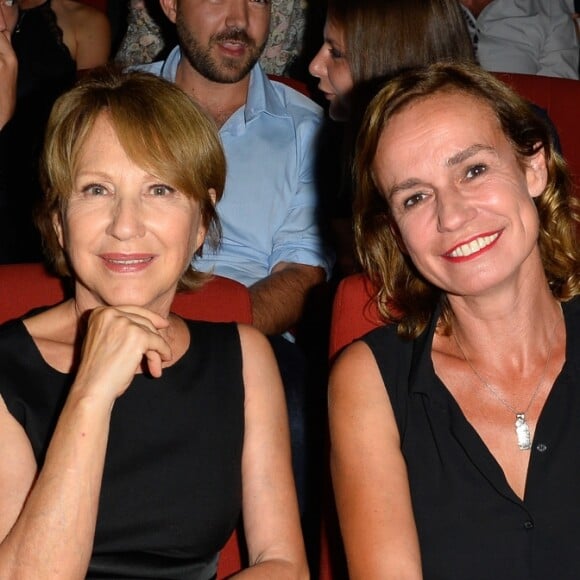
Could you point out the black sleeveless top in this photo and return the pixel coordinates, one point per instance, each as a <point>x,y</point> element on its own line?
<point>470,522</point>
<point>44,61</point>
<point>171,491</point>
<point>46,69</point>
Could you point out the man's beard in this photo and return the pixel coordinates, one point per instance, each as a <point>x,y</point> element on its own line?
<point>224,70</point>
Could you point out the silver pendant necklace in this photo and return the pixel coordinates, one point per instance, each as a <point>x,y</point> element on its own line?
<point>523,433</point>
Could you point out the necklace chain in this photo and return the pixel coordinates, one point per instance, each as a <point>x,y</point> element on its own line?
<point>521,425</point>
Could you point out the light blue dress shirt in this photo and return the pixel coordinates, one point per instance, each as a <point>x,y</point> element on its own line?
<point>526,36</point>
<point>270,208</point>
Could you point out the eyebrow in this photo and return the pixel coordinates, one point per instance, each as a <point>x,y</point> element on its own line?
<point>467,153</point>
<point>333,42</point>
<point>403,186</point>
<point>454,160</point>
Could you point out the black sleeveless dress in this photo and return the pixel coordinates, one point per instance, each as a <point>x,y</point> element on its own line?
<point>46,69</point>
<point>171,491</point>
<point>471,524</point>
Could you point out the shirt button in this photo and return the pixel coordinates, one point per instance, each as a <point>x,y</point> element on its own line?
<point>541,447</point>
<point>528,525</point>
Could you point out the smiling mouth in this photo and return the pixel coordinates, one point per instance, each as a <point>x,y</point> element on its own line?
<point>129,261</point>
<point>465,250</point>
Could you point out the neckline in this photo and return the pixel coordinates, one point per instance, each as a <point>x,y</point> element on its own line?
<point>42,362</point>
<point>22,12</point>
<point>423,346</point>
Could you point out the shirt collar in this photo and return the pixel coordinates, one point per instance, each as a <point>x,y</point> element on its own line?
<point>262,96</point>
<point>169,66</point>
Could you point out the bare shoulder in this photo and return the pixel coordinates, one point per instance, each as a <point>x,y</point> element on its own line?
<point>259,363</point>
<point>87,32</point>
<point>359,409</point>
<point>251,337</point>
<point>355,378</point>
<point>79,12</point>
<point>256,349</point>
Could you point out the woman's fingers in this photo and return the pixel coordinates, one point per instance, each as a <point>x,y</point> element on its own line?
<point>118,343</point>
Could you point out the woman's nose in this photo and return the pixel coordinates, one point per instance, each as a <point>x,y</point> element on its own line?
<point>316,66</point>
<point>126,219</point>
<point>453,209</point>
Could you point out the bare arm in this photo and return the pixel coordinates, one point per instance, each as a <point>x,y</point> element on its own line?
<point>48,524</point>
<point>278,300</point>
<point>8,73</point>
<point>270,507</point>
<point>53,534</point>
<point>369,473</point>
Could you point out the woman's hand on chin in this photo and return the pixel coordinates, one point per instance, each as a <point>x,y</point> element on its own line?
<point>118,342</point>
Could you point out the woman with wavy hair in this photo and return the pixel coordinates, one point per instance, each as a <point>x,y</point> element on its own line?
<point>454,429</point>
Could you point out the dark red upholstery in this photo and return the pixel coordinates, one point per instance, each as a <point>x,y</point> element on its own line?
<point>354,313</point>
<point>25,286</point>
<point>561,100</point>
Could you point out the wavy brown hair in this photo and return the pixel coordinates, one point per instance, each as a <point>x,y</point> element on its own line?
<point>404,296</point>
<point>160,128</point>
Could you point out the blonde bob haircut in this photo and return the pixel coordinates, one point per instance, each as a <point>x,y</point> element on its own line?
<point>160,128</point>
<point>404,296</point>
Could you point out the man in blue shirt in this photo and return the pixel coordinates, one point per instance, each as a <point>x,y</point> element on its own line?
<point>269,212</point>
<point>270,209</point>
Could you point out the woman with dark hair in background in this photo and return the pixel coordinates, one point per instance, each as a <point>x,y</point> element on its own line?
<point>365,42</point>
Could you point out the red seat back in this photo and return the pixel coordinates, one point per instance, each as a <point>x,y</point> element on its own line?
<point>560,98</point>
<point>354,313</point>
